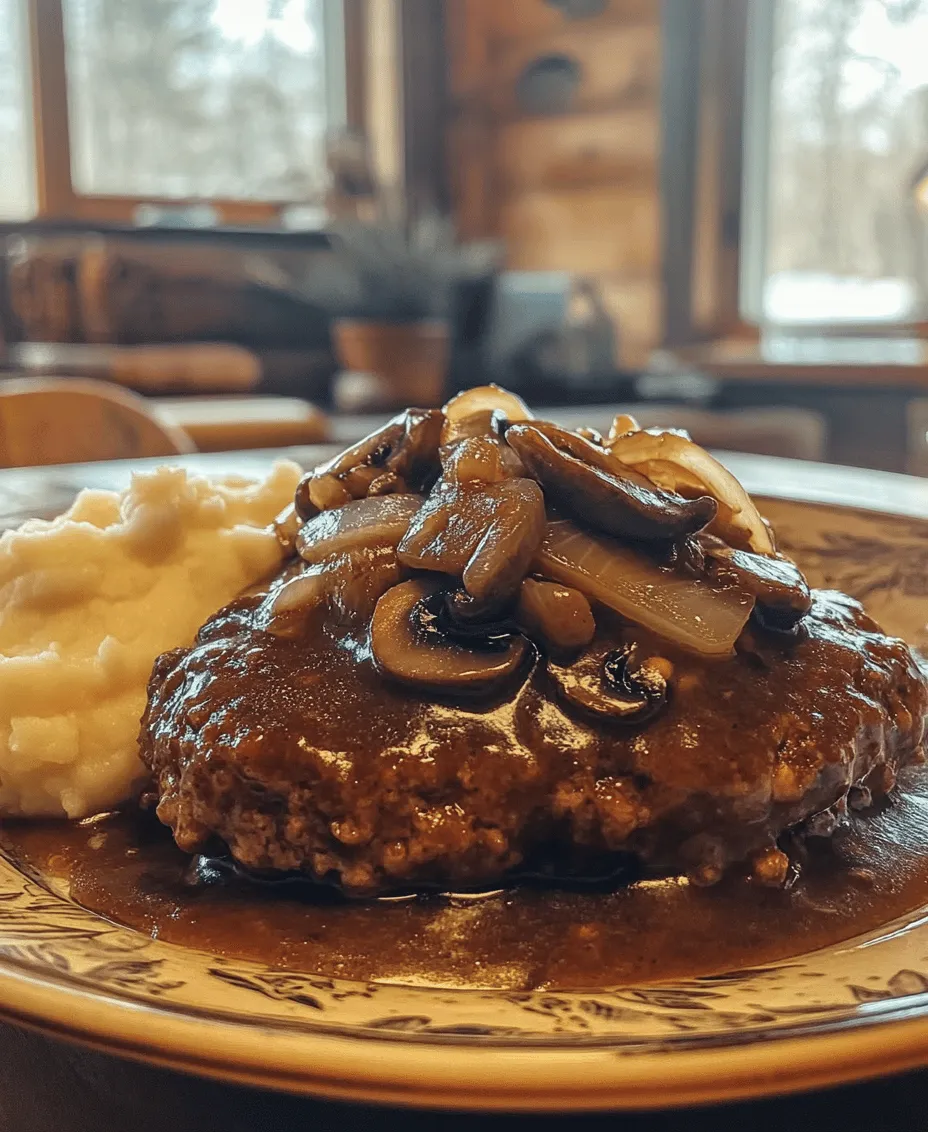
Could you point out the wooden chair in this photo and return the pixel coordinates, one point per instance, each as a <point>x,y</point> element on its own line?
<point>73,421</point>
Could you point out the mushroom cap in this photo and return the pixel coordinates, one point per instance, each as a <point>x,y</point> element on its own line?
<point>408,645</point>
<point>590,483</point>
<point>603,683</point>
<point>775,581</point>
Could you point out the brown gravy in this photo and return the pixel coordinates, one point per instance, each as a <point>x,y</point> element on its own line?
<point>128,869</point>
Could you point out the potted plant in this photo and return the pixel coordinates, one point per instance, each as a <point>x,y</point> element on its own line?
<point>391,290</point>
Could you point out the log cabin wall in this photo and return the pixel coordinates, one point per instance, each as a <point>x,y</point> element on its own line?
<point>554,143</point>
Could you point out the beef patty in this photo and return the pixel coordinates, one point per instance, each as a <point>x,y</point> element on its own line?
<point>299,756</point>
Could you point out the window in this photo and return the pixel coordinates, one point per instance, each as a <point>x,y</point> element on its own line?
<point>165,101</point>
<point>196,98</point>
<point>17,186</point>
<point>842,236</point>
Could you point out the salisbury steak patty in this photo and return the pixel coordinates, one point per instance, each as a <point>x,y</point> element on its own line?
<point>299,756</point>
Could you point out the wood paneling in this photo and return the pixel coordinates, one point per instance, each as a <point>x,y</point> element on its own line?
<point>574,191</point>
<point>472,177</point>
<point>618,65</point>
<point>468,43</point>
<point>637,309</point>
<point>605,147</point>
<point>521,19</point>
<point>384,94</point>
<point>592,231</point>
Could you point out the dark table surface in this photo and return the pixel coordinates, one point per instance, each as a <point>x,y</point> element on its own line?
<point>47,1086</point>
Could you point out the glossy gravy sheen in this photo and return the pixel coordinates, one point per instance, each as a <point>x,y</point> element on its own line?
<point>126,868</point>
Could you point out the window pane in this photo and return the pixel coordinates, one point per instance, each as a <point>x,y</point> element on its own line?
<point>849,130</point>
<point>197,98</point>
<point>17,187</point>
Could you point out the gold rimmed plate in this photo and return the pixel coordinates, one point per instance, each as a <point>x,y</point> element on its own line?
<point>855,1009</point>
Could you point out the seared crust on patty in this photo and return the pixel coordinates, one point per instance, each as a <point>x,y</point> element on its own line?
<point>299,756</point>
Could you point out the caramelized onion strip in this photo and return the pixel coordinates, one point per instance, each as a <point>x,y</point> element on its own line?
<point>675,463</point>
<point>363,523</point>
<point>681,609</point>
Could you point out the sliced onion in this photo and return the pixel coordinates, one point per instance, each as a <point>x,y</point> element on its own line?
<point>675,463</point>
<point>288,610</point>
<point>302,592</point>
<point>380,520</point>
<point>622,425</point>
<point>287,527</point>
<point>345,586</point>
<point>682,609</point>
<point>471,413</point>
<point>474,459</point>
<point>487,399</point>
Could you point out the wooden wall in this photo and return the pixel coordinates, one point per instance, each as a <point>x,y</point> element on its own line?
<point>575,189</point>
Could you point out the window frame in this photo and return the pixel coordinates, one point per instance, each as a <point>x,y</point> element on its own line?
<point>715,121</point>
<point>56,198</point>
<point>702,129</point>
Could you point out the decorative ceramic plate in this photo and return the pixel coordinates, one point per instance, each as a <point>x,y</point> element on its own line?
<point>848,1011</point>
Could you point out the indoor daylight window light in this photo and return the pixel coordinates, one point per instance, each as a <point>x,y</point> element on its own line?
<point>920,188</point>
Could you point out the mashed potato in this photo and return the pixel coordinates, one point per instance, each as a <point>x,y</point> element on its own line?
<point>88,600</point>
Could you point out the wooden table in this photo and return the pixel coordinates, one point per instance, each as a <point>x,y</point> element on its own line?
<point>46,1087</point>
<point>49,1087</point>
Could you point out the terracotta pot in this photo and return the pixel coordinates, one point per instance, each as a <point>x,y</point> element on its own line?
<point>409,359</point>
